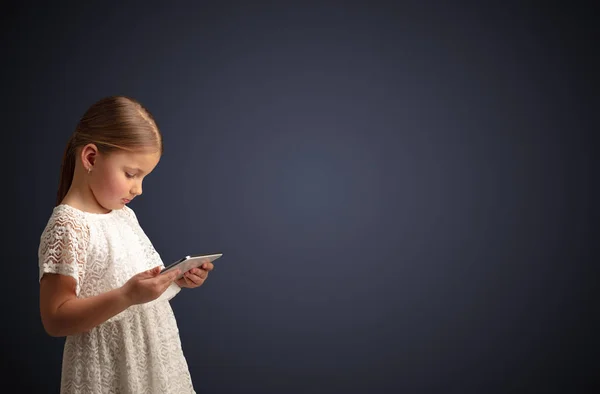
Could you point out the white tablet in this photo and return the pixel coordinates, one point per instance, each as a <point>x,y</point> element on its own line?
<point>188,262</point>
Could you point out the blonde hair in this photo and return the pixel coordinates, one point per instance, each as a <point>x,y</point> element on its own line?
<point>112,123</point>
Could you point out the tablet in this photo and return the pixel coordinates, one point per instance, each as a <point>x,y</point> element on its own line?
<point>188,262</point>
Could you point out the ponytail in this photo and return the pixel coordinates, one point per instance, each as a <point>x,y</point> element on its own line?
<point>67,169</point>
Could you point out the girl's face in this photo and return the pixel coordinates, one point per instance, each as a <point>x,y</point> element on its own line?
<point>117,178</point>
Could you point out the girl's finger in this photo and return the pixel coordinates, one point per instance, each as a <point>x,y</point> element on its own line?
<point>188,282</point>
<point>200,272</point>
<point>195,279</point>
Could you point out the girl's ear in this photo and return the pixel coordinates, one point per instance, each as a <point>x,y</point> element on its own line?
<point>89,153</point>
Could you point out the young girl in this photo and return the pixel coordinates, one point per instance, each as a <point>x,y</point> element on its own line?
<point>100,281</point>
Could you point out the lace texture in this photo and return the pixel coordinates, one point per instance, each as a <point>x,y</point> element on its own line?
<point>136,351</point>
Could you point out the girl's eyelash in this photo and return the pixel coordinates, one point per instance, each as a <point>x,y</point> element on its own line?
<point>128,175</point>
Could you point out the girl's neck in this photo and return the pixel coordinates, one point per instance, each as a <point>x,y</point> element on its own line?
<point>83,201</point>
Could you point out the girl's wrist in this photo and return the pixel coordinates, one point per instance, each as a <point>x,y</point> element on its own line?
<point>123,296</point>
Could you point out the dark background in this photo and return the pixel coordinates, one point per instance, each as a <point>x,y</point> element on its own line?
<point>402,192</point>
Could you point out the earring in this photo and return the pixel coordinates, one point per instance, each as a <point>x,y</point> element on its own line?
<point>89,169</point>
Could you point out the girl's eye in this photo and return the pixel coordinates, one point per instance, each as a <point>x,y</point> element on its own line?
<point>128,175</point>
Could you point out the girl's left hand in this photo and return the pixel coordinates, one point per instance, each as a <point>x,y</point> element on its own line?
<point>195,277</point>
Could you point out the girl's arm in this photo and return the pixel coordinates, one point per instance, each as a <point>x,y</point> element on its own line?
<point>64,314</point>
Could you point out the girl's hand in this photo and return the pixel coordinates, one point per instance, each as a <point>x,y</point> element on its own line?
<point>148,285</point>
<point>195,277</point>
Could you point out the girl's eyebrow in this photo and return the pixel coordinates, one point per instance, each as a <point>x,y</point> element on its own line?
<point>135,169</point>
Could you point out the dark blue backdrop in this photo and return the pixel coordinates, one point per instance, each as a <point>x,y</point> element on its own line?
<point>401,192</point>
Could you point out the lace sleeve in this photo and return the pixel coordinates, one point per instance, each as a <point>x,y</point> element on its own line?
<point>63,246</point>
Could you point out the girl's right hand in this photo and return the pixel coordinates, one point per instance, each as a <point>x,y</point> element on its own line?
<point>148,285</point>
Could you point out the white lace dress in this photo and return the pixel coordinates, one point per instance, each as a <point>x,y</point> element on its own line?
<point>137,351</point>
